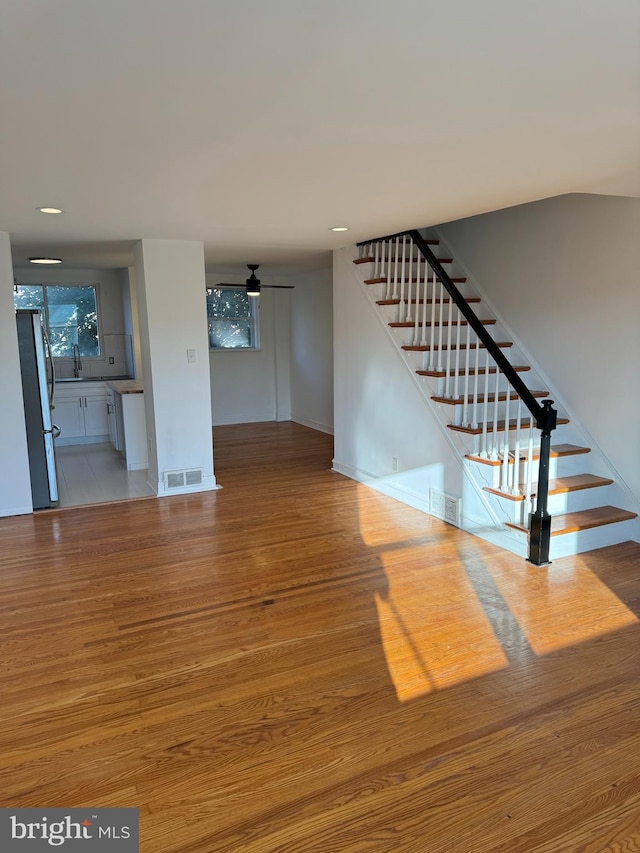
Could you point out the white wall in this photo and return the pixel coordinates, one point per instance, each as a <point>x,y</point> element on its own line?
<point>565,275</point>
<point>112,329</point>
<point>251,386</point>
<point>312,350</point>
<point>15,483</point>
<point>170,284</point>
<point>380,412</point>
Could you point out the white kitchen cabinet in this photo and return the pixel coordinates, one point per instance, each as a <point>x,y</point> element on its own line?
<point>81,412</point>
<point>114,414</point>
<point>127,422</point>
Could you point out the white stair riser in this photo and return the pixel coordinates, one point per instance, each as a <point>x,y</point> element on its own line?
<point>559,466</point>
<point>559,504</point>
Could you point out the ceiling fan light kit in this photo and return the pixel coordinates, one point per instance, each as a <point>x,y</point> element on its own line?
<point>253,283</point>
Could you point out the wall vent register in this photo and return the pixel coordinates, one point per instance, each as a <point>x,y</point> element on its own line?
<point>180,479</point>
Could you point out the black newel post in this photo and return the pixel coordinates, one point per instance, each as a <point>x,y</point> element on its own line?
<point>540,520</point>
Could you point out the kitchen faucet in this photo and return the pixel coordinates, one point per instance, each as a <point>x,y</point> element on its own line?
<point>77,364</point>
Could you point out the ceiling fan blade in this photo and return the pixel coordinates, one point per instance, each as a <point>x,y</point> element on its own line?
<point>238,284</point>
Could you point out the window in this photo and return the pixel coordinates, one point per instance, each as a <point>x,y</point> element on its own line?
<point>232,318</point>
<point>70,314</point>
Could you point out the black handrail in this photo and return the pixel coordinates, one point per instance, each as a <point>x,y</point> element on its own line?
<point>545,416</point>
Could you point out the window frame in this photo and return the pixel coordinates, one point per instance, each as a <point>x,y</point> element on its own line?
<point>254,317</point>
<point>45,313</point>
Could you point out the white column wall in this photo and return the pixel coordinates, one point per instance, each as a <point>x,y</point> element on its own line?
<point>564,273</point>
<point>15,482</point>
<point>170,284</point>
<point>312,350</point>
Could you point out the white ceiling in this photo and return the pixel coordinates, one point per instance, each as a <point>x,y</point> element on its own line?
<point>255,125</point>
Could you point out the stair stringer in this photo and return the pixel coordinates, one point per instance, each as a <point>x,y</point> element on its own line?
<point>620,492</point>
<point>478,513</point>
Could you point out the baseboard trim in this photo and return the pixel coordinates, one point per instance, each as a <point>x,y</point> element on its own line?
<point>19,510</point>
<point>320,427</point>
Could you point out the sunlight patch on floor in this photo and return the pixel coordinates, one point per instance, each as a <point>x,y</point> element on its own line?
<point>434,631</point>
<point>561,605</point>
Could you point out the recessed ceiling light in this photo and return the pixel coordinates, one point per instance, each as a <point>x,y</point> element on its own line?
<point>339,228</point>
<point>45,260</point>
<point>50,210</point>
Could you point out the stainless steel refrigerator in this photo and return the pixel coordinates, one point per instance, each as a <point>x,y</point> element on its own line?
<point>38,385</point>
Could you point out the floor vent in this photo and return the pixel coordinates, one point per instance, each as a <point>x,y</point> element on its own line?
<point>444,506</point>
<point>180,479</point>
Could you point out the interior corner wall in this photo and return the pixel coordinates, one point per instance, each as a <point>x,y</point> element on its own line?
<point>564,275</point>
<point>15,482</point>
<point>312,350</point>
<point>380,413</point>
<point>245,383</point>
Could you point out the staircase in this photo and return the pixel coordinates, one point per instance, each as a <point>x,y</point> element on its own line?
<point>489,399</point>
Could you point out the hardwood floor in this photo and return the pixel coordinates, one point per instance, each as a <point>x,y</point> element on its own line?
<point>298,663</point>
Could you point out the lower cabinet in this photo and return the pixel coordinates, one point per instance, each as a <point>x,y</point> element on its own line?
<point>127,427</point>
<point>81,414</point>
<point>114,414</point>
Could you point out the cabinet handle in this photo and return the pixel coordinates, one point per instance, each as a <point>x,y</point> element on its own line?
<point>80,401</point>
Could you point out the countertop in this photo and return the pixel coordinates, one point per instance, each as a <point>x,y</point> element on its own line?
<point>65,379</point>
<point>126,386</point>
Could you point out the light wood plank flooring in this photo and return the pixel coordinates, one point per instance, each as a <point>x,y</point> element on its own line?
<point>297,663</point>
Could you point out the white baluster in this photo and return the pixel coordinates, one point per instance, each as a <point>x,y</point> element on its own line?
<point>515,484</point>
<point>494,448</point>
<point>505,446</point>
<point>395,270</point>
<point>474,416</point>
<point>484,453</point>
<point>420,288</point>
<point>411,289</point>
<point>403,276</point>
<point>432,327</point>
<point>467,367</point>
<point>456,374</point>
<point>528,478</point>
<point>447,392</point>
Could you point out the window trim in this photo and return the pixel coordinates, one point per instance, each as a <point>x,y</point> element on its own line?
<point>254,316</point>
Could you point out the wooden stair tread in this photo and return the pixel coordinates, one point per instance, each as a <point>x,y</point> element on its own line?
<point>491,398</point>
<point>585,519</point>
<point>468,299</point>
<point>411,324</point>
<point>513,424</point>
<point>428,348</point>
<point>456,279</point>
<point>557,451</point>
<point>559,486</point>
<point>438,374</point>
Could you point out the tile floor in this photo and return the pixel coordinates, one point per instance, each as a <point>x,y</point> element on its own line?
<point>96,473</point>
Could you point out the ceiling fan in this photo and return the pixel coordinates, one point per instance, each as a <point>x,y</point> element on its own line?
<point>254,285</point>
